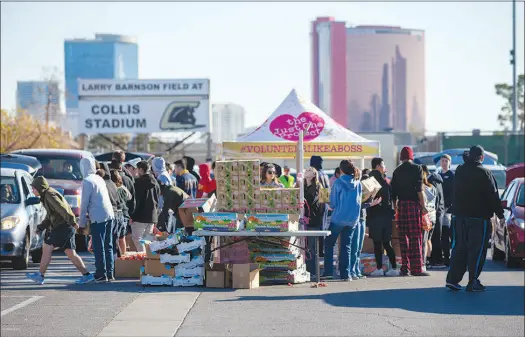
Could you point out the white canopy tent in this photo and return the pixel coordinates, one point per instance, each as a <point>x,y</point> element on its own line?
<point>278,136</point>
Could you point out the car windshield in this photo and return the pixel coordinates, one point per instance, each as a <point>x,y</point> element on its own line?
<point>9,192</point>
<point>520,196</point>
<point>500,177</point>
<point>59,167</point>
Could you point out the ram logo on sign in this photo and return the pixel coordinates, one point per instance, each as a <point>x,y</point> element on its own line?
<point>180,116</point>
<point>143,106</point>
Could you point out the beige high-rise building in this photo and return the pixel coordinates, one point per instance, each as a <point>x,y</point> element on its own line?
<point>384,72</point>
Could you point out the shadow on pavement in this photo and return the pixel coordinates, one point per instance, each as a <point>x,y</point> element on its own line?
<point>497,300</point>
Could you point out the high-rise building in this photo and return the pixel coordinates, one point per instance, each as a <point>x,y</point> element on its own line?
<point>228,122</point>
<point>328,67</point>
<point>38,98</point>
<point>384,76</point>
<point>107,56</point>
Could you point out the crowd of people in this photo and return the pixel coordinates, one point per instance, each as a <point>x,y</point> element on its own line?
<point>431,211</point>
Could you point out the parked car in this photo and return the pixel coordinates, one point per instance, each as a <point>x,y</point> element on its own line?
<point>425,158</point>
<point>106,157</point>
<point>62,170</point>
<point>514,171</point>
<point>18,161</point>
<point>20,213</point>
<point>508,241</point>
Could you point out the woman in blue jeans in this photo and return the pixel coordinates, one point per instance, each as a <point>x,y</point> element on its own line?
<point>346,199</point>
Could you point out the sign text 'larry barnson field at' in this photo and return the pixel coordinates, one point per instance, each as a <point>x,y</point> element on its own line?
<point>143,106</point>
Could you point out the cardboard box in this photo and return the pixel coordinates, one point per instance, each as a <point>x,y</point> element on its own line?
<point>248,168</point>
<point>128,268</point>
<point>220,222</point>
<point>156,280</point>
<point>197,261</point>
<point>270,198</point>
<point>225,201</point>
<point>272,222</point>
<point>245,276</point>
<point>370,187</point>
<point>219,276</point>
<point>171,241</point>
<point>184,247</point>
<point>156,268</point>
<point>395,232</point>
<point>174,259</point>
<point>151,255</point>
<point>191,272</point>
<point>225,169</point>
<point>284,277</point>
<point>180,281</point>
<point>324,195</point>
<point>290,197</point>
<point>368,246</point>
<point>203,204</point>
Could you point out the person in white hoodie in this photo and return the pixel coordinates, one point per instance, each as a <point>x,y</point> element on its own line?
<point>161,174</point>
<point>96,204</point>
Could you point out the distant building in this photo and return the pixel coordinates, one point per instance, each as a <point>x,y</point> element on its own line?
<point>382,70</point>
<point>38,98</point>
<point>107,56</point>
<point>228,122</point>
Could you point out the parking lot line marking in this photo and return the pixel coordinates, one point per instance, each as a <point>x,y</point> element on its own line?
<point>20,305</point>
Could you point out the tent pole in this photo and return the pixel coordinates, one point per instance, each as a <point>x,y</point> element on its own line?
<point>300,154</point>
<point>363,162</point>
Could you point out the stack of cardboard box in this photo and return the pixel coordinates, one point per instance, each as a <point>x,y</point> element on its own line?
<point>175,261</point>
<point>280,260</point>
<point>238,190</point>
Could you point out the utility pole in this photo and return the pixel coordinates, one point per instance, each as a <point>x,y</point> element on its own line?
<point>514,66</point>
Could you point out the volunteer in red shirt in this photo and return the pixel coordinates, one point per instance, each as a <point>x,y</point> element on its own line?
<point>207,185</point>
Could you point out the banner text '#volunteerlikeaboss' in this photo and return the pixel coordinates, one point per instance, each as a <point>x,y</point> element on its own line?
<point>112,123</point>
<point>310,148</point>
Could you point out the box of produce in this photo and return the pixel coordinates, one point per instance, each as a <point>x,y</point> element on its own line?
<point>225,169</point>
<point>156,268</point>
<point>190,272</point>
<point>270,198</point>
<point>248,168</point>
<point>170,241</point>
<point>193,281</point>
<point>282,277</point>
<point>290,197</point>
<point>184,247</point>
<point>156,280</point>
<point>197,261</point>
<point>220,222</point>
<point>269,223</point>
<point>174,259</point>
<point>246,184</point>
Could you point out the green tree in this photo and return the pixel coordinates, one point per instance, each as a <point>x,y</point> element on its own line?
<point>505,91</point>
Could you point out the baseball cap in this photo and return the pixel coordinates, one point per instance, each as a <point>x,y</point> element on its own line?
<point>476,151</point>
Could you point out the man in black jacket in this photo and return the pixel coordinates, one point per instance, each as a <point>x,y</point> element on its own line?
<point>173,198</point>
<point>448,186</point>
<point>380,221</point>
<point>476,200</point>
<point>147,194</point>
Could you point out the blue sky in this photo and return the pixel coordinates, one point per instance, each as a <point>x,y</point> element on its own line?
<point>255,53</point>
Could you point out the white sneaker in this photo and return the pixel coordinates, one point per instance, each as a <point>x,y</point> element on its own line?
<point>424,268</point>
<point>378,272</point>
<point>393,272</point>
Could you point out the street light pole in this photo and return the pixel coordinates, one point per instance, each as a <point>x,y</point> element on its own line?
<point>514,66</point>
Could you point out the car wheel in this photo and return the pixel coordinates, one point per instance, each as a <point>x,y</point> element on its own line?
<point>36,255</point>
<point>21,262</point>
<point>511,262</point>
<point>496,254</point>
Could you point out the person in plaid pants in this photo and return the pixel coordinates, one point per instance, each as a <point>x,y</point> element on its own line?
<point>406,185</point>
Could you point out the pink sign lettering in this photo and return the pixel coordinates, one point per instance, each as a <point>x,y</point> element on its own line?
<point>288,127</point>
